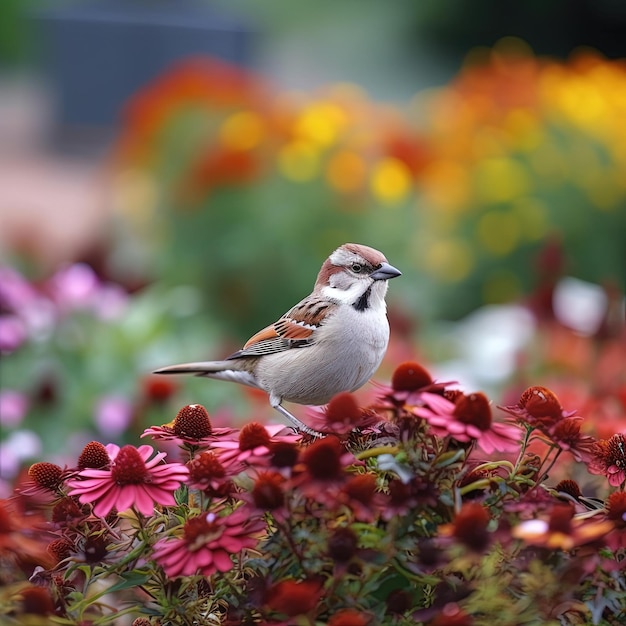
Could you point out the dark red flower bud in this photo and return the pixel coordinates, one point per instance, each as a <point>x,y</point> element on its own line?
<point>192,421</point>
<point>541,402</point>
<point>46,475</point>
<point>410,377</point>
<point>470,526</point>
<point>93,456</point>
<point>342,545</point>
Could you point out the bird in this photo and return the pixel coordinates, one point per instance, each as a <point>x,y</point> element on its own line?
<point>332,341</point>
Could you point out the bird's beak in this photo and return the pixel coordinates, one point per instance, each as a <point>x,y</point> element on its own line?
<point>385,272</point>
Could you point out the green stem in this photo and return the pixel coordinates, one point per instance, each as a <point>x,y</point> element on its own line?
<point>522,451</point>
<point>541,476</point>
<point>372,452</point>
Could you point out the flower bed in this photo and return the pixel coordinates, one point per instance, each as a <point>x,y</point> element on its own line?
<point>430,506</point>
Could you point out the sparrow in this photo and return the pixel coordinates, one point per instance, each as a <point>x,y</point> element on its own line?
<point>331,341</point>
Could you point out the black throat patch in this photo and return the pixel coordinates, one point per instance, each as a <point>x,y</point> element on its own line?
<point>363,302</point>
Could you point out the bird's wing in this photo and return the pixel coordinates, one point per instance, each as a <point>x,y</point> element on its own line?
<point>295,329</point>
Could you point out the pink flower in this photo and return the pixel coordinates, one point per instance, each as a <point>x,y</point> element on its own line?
<point>113,415</point>
<point>254,444</point>
<point>409,383</point>
<point>468,418</point>
<point>207,543</point>
<point>207,474</point>
<point>608,457</point>
<point>133,479</point>
<point>322,470</point>
<point>341,416</point>
<point>190,428</point>
<point>13,407</point>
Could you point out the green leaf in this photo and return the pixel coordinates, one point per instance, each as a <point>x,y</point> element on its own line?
<point>130,580</point>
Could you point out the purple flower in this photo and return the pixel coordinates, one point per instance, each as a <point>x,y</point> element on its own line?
<point>113,415</point>
<point>13,407</point>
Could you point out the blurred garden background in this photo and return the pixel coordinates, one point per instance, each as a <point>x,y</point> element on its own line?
<point>173,174</point>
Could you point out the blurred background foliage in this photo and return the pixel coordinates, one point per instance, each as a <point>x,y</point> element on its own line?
<point>480,145</point>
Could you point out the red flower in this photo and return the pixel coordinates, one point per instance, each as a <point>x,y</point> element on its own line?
<point>567,436</point>
<point>207,543</point>
<point>466,419</point>
<point>608,457</point>
<point>538,407</point>
<point>191,427</point>
<point>341,416</point>
<point>254,444</point>
<point>616,508</point>
<point>133,479</point>
<point>470,526</point>
<point>207,474</point>
<point>408,382</point>
<point>561,530</point>
<point>323,470</point>
<point>291,598</point>
<point>360,496</point>
<point>268,495</point>
<point>349,617</point>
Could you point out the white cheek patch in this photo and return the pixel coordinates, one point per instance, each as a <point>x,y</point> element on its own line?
<point>345,296</point>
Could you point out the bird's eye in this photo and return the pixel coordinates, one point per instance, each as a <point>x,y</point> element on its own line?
<point>357,268</point>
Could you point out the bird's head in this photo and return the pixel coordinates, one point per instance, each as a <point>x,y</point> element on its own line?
<point>356,274</point>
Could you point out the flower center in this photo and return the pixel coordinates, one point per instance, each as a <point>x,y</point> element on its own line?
<point>192,421</point>
<point>541,402</point>
<point>561,519</point>
<point>205,466</point>
<point>473,409</point>
<point>323,459</point>
<point>94,456</point>
<point>361,488</point>
<point>616,508</point>
<point>252,436</point>
<point>343,408</point>
<point>46,475</point>
<point>284,454</point>
<point>200,530</point>
<point>616,451</point>
<point>410,377</point>
<point>267,492</point>
<point>128,467</point>
<point>569,487</point>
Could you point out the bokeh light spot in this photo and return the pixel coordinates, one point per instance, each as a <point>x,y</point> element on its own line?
<point>532,215</point>
<point>346,171</point>
<point>500,179</point>
<point>298,161</point>
<point>135,194</point>
<point>498,232</point>
<point>242,131</point>
<point>501,286</point>
<point>446,185</point>
<point>450,260</point>
<point>391,180</point>
<point>320,123</point>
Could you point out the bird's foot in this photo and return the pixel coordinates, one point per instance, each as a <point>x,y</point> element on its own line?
<point>296,422</point>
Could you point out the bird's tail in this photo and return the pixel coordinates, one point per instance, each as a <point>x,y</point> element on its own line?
<point>232,370</point>
<point>200,368</point>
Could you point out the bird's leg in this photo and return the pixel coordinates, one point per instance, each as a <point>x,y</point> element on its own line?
<point>294,420</point>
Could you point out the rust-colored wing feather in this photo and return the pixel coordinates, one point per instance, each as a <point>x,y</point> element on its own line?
<point>295,329</point>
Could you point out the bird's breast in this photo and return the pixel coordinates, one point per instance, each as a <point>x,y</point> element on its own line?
<point>347,351</point>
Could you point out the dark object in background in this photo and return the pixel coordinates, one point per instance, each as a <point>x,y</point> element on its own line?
<point>554,28</point>
<point>96,54</point>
